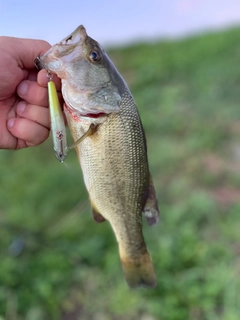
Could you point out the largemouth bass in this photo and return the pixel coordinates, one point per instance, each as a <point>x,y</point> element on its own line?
<point>111,147</point>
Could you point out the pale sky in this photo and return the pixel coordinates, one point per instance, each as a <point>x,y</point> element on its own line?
<point>115,22</point>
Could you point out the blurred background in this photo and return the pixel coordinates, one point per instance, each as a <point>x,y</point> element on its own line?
<point>181,62</point>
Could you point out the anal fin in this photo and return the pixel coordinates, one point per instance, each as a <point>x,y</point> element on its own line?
<point>150,210</point>
<point>97,215</point>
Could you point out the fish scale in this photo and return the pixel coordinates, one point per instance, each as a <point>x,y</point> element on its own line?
<point>124,159</point>
<point>113,155</point>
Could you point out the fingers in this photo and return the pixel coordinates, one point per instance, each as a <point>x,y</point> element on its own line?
<point>43,79</point>
<point>26,50</point>
<point>33,93</point>
<point>34,113</point>
<point>31,126</point>
<point>36,92</point>
<point>32,75</point>
<point>29,133</point>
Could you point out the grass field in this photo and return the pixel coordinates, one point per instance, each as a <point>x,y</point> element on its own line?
<point>57,263</point>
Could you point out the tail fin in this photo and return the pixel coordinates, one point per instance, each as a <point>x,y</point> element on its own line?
<point>139,271</point>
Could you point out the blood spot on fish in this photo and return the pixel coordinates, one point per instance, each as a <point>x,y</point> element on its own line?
<point>77,118</point>
<point>95,115</point>
<point>72,113</point>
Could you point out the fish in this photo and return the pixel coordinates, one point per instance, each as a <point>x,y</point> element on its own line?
<point>111,146</point>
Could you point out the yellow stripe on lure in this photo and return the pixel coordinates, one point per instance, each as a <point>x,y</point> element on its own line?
<point>57,123</point>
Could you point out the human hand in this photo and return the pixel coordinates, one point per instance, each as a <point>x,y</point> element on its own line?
<point>24,116</point>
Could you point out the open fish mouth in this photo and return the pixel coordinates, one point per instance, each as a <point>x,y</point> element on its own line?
<point>76,37</point>
<point>66,50</point>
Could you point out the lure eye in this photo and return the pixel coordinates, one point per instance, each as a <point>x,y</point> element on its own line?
<point>94,56</point>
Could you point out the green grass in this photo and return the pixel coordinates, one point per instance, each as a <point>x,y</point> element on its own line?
<point>57,263</point>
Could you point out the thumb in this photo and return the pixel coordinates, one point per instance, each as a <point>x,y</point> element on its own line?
<point>25,51</point>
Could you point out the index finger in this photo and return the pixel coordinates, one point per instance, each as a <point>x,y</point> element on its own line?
<point>42,79</point>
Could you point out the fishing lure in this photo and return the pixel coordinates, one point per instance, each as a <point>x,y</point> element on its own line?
<point>56,116</point>
<point>57,122</point>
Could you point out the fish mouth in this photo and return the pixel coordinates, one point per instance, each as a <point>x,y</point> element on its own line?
<point>39,64</point>
<point>76,37</point>
<point>66,50</point>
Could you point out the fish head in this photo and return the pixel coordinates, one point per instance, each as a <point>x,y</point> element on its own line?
<point>90,82</point>
<point>73,57</point>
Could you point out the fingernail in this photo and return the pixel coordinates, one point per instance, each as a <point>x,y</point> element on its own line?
<point>22,88</point>
<point>10,123</point>
<point>21,107</point>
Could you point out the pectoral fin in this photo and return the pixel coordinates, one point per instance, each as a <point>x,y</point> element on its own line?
<point>150,210</point>
<point>89,132</point>
<point>97,215</point>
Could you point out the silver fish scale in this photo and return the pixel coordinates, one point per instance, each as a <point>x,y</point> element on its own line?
<point>115,169</point>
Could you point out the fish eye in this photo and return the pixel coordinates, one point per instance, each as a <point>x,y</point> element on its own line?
<point>94,56</point>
